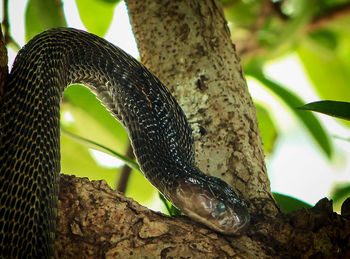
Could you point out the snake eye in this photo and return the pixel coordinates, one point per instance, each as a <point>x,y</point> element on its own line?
<point>221,207</point>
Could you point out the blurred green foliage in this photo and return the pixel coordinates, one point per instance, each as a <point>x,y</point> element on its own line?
<point>96,15</point>
<point>37,21</point>
<point>339,193</point>
<point>267,128</point>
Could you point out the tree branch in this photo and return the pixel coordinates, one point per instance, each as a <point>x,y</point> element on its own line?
<point>250,45</point>
<point>96,222</point>
<point>125,172</point>
<point>328,16</point>
<point>7,34</point>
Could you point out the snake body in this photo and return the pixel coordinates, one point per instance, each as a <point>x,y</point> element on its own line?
<point>30,138</point>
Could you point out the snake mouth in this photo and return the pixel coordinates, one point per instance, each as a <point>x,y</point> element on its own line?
<point>205,207</point>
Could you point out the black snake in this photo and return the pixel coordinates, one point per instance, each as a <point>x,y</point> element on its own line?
<point>30,138</point>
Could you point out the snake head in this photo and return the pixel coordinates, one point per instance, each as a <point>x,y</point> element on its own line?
<point>212,202</point>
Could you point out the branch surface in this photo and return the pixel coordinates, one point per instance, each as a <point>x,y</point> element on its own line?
<point>95,221</point>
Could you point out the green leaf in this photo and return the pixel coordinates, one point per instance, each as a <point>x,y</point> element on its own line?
<point>325,38</point>
<point>325,57</point>
<point>332,108</point>
<point>92,144</point>
<point>242,13</point>
<point>289,204</point>
<point>92,121</point>
<point>42,15</point>
<point>140,189</point>
<point>76,160</point>
<point>267,128</point>
<point>310,121</point>
<point>326,68</point>
<point>290,33</point>
<point>171,209</point>
<point>96,15</point>
<point>339,193</point>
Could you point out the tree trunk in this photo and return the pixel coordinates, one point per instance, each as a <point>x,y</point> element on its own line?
<point>187,44</point>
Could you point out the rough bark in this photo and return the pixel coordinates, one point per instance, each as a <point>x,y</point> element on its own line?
<point>96,222</point>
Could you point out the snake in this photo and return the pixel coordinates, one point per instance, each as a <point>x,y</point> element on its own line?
<point>157,127</point>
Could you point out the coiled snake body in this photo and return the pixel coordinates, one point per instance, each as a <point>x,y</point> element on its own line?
<point>29,138</point>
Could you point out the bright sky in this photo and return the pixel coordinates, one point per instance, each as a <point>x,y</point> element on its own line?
<point>297,167</point>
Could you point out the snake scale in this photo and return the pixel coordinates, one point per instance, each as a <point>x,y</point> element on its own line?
<point>30,138</point>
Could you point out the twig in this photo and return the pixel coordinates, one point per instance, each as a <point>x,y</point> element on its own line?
<point>276,8</point>
<point>7,35</point>
<point>125,173</point>
<point>328,16</point>
<point>251,47</point>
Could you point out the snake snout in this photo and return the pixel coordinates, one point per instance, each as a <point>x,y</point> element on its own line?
<point>209,206</point>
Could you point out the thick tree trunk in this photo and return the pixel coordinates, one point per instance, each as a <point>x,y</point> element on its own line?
<point>187,44</point>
